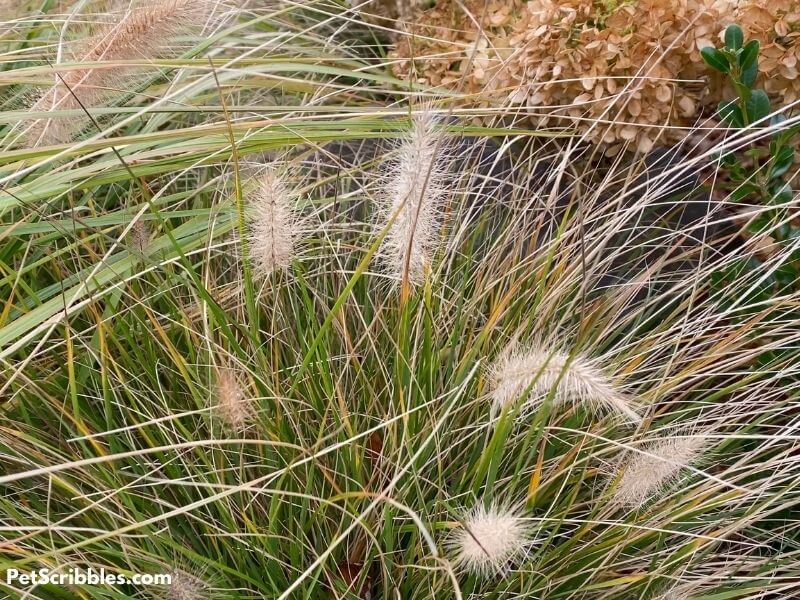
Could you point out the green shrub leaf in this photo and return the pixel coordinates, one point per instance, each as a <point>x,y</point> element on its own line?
<point>748,63</point>
<point>749,54</point>
<point>734,37</point>
<point>716,59</point>
<point>731,113</point>
<point>758,106</point>
<point>782,161</point>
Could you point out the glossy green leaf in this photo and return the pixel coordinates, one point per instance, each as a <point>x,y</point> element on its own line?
<point>734,37</point>
<point>749,54</point>
<point>758,106</point>
<point>716,59</point>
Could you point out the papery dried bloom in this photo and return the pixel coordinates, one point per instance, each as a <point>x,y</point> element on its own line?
<point>615,71</point>
<point>231,404</point>
<point>490,539</point>
<point>647,474</point>
<point>776,24</point>
<point>390,9</point>
<point>273,224</point>
<point>538,371</point>
<point>145,33</point>
<point>412,193</point>
<point>444,39</point>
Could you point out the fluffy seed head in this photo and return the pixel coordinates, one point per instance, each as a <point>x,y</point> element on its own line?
<point>186,587</point>
<point>139,236</point>
<point>646,475</point>
<point>490,539</point>
<point>145,33</point>
<point>413,190</point>
<point>232,405</point>
<point>273,225</point>
<point>539,370</point>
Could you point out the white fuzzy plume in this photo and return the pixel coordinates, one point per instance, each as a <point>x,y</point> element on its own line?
<point>274,224</point>
<point>490,540</point>
<point>538,370</point>
<point>414,191</point>
<point>647,474</point>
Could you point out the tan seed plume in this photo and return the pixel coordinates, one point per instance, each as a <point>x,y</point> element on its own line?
<point>184,586</point>
<point>144,33</point>
<point>412,194</point>
<point>232,406</point>
<point>489,540</point>
<point>139,236</point>
<point>274,224</point>
<point>647,474</point>
<point>538,370</point>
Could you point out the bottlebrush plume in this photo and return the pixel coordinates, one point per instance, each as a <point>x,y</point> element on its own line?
<point>186,587</point>
<point>490,540</point>
<point>537,370</point>
<point>647,474</point>
<point>144,33</point>
<point>274,224</point>
<point>414,190</point>
<point>139,236</point>
<point>232,406</point>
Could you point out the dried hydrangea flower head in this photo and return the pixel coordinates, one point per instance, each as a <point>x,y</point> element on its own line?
<point>536,371</point>
<point>658,466</point>
<point>617,72</point>
<point>382,10</point>
<point>776,25</point>
<point>412,193</point>
<point>490,540</point>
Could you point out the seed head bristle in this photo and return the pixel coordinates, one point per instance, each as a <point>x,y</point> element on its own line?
<point>232,406</point>
<point>274,224</point>
<point>184,586</point>
<point>490,539</point>
<point>145,33</point>
<point>538,370</point>
<point>413,192</point>
<point>647,474</point>
<point>139,236</point>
